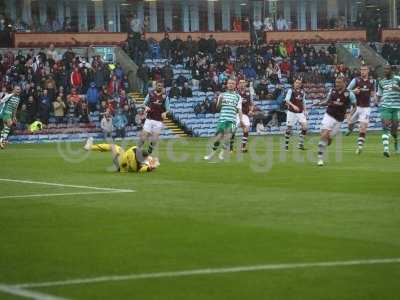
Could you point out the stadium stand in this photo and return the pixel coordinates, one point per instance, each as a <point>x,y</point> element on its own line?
<point>280,61</point>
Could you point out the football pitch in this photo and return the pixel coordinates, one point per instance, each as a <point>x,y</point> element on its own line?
<point>263,225</point>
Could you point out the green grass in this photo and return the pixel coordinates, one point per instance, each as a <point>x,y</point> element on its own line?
<point>196,215</point>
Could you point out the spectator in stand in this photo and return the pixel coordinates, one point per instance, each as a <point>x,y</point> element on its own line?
<point>286,68</point>
<point>125,82</point>
<point>207,84</point>
<point>55,25</point>
<point>76,79</point>
<point>101,74</point>
<point>114,86</point>
<point>212,45</point>
<point>282,24</point>
<point>106,125</point>
<point>122,99</point>
<point>143,73</point>
<point>273,72</point>
<point>174,92</point>
<point>203,108</point>
<point>83,112</point>
<point>141,50</point>
<point>67,26</point>
<point>186,91</point>
<point>22,117</point>
<point>146,24</point>
<point>237,25</point>
<point>104,93</point>
<point>249,73</point>
<point>154,47</point>
<point>129,114</point>
<point>52,54</point>
<point>20,26</point>
<point>44,107</point>
<point>226,52</point>
<point>258,28</point>
<point>135,27</point>
<point>281,50</point>
<point>202,45</point>
<point>190,47</point>
<point>165,46</point>
<point>168,74</point>
<point>119,122</point>
<point>223,77</point>
<point>50,86</point>
<point>93,97</point>
<point>59,108</point>
<point>181,80</point>
<point>262,89</point>
<point>74,96</point>
<point>31,108</point>
<point>333,52</point>
<point>119,72</point>
<point>268,24</point>
<point>71,111</point>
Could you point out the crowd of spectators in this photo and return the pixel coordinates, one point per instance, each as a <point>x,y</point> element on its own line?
<point>267,67</point>
<point>210,66</point>
<point>67,87</point>
<point>391,52</point>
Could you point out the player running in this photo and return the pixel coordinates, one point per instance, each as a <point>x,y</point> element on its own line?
<point>156,107</point>
<point>389,94</point>
<point>131,160</point>
<point>364,89</point>
<point>339,100</point>
<point>247,110</point>
<point>296,113</point>
<point>8,111</point>
<point>231,104</point>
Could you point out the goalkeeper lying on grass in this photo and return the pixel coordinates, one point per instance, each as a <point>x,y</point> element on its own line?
<point>131,160</point>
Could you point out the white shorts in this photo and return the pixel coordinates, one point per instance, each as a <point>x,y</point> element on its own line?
<point>292,118</point>
<point>361,115</point>
<point>331,124</point>
<point>153,126</point>
<point>246,121</point>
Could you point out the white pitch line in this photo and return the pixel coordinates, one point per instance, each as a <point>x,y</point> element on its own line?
<point>60,194</point>
<point>66,185</point>
<point>209,271</point>
<point>11,290</point>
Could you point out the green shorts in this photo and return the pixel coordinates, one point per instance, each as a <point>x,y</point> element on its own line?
<point>389,114</point>
<point>5,116</point>
<point>226,127</point>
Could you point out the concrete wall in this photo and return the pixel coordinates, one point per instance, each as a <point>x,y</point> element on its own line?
<point>129,67</point>
<point>372,58</point>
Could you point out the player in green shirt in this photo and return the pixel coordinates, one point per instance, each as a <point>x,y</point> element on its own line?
<point>231,105</point>
<point>389,94</point>
<point>8,110</point>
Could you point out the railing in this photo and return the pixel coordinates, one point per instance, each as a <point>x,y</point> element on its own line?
<point>390,34</point>
<point>218,36</point>
<point>26,39</point>
<point>317,35</point>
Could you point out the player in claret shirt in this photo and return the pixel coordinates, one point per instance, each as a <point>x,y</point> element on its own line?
<point>296,113</point>
<point>156,108</point>
<point>339,100</point>
<point>364,89</point>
